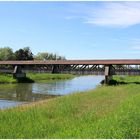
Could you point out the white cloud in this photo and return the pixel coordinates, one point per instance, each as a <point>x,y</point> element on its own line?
<point>114,14</point>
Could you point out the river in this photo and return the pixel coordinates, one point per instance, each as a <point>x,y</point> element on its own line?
<point>16,94</point>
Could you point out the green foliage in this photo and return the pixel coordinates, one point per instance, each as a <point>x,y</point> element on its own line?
<point>6,53</point>
<point>48,56</point>
<point>24,54</point>
<point>41,56</point>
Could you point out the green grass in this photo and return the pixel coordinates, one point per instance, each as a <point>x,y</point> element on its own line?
<point>107,112</point>
<point>42,77</point>
<point>7,78</point>
<point>127,79</point>
<point>37,77</point>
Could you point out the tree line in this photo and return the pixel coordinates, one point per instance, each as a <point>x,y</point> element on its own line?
<point>6,53</point>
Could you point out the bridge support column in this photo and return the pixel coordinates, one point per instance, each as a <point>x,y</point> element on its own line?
<point>55,69</point>
<point>109,72</point>
<point>18,72</point>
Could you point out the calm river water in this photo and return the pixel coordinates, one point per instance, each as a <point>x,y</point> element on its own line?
<point>15,94</point>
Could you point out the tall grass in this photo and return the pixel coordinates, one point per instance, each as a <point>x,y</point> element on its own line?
<point>107,112</point>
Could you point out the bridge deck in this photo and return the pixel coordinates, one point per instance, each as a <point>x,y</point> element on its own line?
<point>73,62</point>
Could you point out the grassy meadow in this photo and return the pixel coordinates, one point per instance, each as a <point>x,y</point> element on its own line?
<point>106,112</point>
<point>42,77</point>
<point>36,77</point>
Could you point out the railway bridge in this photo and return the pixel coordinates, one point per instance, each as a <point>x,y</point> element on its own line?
<point>97,67</point>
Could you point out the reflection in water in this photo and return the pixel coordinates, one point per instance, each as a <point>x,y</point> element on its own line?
<point>77,84</point>
<point>22,92</point>
<point>15,93</point>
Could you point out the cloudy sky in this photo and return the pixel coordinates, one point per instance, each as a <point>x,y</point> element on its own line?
<point>76,30</point>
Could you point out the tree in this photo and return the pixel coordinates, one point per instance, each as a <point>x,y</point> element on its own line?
<point>48,56</point>
<point>24,54</point>
<point>6,53</point>
<point>42,56</point>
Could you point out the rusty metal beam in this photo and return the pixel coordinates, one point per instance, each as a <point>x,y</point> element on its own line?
<point>75,62</point>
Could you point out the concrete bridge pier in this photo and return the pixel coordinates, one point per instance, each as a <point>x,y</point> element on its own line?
<point>55,69</point>
<point>109,72</point>
<point>18,72</point>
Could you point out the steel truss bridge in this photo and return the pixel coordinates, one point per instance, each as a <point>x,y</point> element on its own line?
<point>95,67</point>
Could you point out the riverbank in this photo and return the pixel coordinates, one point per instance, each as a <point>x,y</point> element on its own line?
<point>34,77</point>
<point>7,78</point>
<point>121,80</point>
<point>106,112</point>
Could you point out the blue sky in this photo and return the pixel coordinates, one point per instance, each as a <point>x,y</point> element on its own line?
<point>76,30</point>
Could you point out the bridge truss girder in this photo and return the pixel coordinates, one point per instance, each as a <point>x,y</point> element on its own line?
<point>68,68</point>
